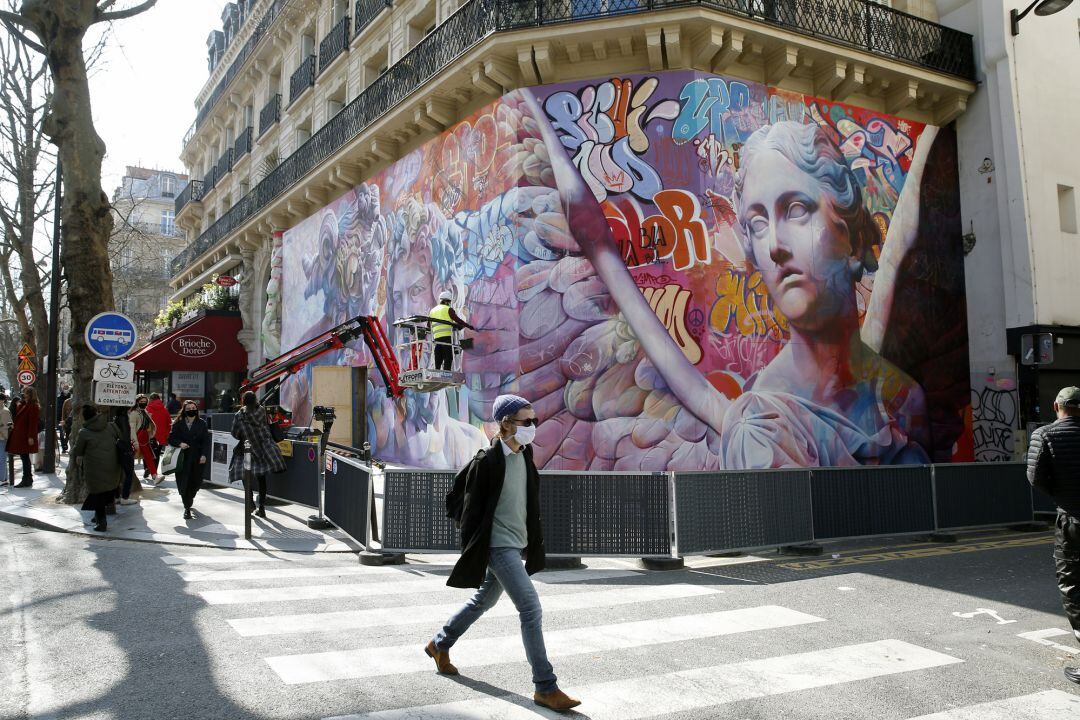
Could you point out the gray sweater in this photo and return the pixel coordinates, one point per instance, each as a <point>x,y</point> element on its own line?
<point>508,528</point>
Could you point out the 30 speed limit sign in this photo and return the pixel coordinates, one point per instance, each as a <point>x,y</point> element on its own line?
<point>27,377</point>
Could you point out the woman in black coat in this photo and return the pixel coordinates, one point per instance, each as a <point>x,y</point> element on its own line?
<point>190,434</point>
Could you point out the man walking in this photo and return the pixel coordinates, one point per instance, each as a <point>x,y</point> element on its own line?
<point>496,499</point>
<point>61,400</point>
<point>441,331</point>
<point>1054,467</point>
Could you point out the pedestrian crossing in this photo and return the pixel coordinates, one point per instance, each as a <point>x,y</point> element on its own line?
<point>362,627</point>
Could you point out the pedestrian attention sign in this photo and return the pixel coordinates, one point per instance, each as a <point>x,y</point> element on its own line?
<point>110,335</point>
<point>118,394</point>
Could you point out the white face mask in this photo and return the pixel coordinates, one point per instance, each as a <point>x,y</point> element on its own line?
<point>525,434</point>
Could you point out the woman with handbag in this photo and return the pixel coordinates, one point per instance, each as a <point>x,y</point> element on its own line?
<point>252,425</point>
<point>23,439</point>
<point>142,429</point>
<point>125,454</point>
<point>190,434</point>
<point>95,456</point>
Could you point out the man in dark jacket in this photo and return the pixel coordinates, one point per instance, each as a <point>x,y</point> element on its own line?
<point>497,497</point>
<point>1054,467</point>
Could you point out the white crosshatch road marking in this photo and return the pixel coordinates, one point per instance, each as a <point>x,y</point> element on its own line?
<point>379,617</point>
<point>1043,638</point>
<point>701,688</point>
<point>373,662</point>
<point>419,583</point>
<point>1037,706</point>
<point>232,558</point>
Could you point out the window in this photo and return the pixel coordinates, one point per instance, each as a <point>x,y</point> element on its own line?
<point>168,186</point>
<point>168,222</point>
<point>1067,208</point>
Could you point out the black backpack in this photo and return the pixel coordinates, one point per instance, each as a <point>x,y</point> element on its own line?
<point>455,499</point>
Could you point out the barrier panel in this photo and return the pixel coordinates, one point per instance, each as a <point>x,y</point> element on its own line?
<point>347,496</point>
<point>414,511</point>
<point>978,494</point>
<point>605,513</point>
<point>728,510</point>
<point>300,481</point>
<point>853,502</point>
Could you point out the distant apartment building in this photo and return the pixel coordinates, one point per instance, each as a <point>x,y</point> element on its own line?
<point>145,240</point>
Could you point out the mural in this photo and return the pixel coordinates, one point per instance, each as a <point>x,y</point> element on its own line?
<point>680,271</point>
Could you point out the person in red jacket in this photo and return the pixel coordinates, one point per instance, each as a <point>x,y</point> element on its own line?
<point>23,439</point>
<point>162,425</point>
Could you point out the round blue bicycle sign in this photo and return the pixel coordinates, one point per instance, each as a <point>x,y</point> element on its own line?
<point>110,335</point>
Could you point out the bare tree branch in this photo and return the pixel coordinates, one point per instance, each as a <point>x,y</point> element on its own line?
<point>102,16</point>
<point>10,20</point>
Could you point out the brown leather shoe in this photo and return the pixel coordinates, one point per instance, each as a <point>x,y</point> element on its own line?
<point>556,700</point>
<point>441,658</point>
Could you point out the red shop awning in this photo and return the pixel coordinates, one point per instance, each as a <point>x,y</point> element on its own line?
<point>208,344</point>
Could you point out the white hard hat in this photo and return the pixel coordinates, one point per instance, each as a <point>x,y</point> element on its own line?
<point>446,295</point>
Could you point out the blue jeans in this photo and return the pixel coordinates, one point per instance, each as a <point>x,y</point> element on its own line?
<point>3,461</point>
<point>506,571</point>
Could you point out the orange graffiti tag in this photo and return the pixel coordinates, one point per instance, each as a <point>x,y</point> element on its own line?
<point>743,306</point>
<point>681,234</point>
<point>669,303</point>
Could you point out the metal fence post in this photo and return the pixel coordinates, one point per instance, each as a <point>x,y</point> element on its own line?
<point>319,522</point>
<point>673,505</point>
<point>248,500</point>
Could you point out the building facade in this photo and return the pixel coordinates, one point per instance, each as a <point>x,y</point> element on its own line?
<point>144,242</point>
<point>671,223</point>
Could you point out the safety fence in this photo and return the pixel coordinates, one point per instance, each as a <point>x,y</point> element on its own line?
<point>347,496</point>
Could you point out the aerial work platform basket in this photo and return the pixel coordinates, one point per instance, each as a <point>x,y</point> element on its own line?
<point>428,363</point>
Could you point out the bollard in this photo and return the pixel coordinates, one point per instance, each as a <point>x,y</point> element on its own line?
<point>248,500</point>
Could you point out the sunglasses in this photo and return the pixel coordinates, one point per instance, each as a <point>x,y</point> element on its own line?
<point>526,421</point>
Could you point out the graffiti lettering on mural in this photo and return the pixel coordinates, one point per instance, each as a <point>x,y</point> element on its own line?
<point>604,126</point>
<point>743,306</point>
<point>877,149</point>
<point>994,417</point>
<point>669,304</point>
<point>676,233</point>
<point>725,108</point>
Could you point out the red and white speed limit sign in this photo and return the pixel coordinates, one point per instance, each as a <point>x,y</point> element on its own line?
<point>27,377</point>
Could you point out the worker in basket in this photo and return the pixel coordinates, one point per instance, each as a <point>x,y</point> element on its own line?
<point>442,331</point>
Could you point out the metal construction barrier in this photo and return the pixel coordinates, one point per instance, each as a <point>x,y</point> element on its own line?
<point>978,494</point>
<point>347,496</point>
<point>858,502</point>
<point>414,511</point>
<point>300,481</point>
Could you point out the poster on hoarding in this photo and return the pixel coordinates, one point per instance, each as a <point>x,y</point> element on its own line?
<point>220,455</point>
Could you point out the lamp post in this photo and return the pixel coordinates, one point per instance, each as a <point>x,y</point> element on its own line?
<point>1041,7</point>
<point>48,456</point>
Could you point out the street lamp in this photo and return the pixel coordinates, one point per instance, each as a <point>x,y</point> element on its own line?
<point>1041,7</point>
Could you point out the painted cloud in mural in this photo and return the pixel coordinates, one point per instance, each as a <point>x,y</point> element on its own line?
<point>679,271</point>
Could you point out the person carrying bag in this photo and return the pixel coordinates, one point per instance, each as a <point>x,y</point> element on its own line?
<point>252,425</point>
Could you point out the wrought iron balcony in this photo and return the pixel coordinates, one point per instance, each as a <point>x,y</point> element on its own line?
<point>270,114</point>
<point>302,79</point>
<point>856,23</point>
<point>224,164</point>
<point>192,192</point>
<point>187,137</point>
<point>242,146</point>
<point>367,11</point>
<point>209,180</point>
<point>335,43</point>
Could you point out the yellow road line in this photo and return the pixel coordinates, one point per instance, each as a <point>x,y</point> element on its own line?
<point>935,551</point>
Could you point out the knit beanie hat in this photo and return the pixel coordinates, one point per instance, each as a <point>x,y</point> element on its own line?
<point>507,405</point>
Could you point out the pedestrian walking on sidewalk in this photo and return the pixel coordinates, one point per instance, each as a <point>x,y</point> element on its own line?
<point>1053,466</point>
<point>5,430</point>
<point>496,501</point>
<point>61,428</point>
<point>23,439</point>
<point>190,434</point>
<point>252,425</point>
<point>94,455</point>
<point>142,429</point>
<point>162,426</point>
<point>125,451</point>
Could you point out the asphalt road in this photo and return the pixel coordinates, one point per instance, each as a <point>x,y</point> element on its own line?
<point>94,628</point>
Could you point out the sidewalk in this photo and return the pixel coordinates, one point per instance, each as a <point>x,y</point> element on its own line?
<point>158,517</point>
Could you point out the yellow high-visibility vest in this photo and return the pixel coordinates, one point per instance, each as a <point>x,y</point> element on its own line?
<point>444,329</point>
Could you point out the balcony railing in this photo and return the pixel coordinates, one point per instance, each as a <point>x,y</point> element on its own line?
<point>367,11</point>
<point>884,32</point>
<point>257,34</point>
<point>270,114</point>
<point>187,137</point>
<point>302,79</point>
<point>209,180</point>
<point>192,192</point>
<point>224,164</point>
<point>242,146</point>
<point>335,43</point>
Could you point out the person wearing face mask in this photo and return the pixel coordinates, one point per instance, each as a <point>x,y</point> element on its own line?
<point>142,429</point>
<point>496,500</point>
<point>190,434</point>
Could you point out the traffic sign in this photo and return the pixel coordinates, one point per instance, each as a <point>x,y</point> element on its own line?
<point>26,363</point>
<point>226,281</point>
<point>115,370</point>
<point>26,351</point>
<point>110,335</point>
<point>27,377</point>
<point>118,394</point>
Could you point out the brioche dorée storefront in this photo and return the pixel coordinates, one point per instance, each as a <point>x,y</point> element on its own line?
<point>198,359</point>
